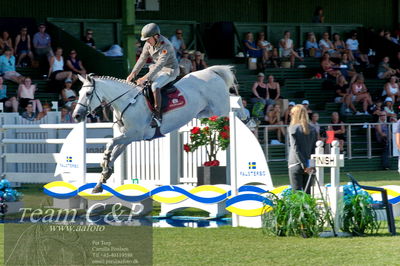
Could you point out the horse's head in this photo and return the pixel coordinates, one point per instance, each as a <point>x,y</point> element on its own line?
<point>89,98</point>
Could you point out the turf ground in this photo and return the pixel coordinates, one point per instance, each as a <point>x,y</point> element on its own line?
<point>243,246</point>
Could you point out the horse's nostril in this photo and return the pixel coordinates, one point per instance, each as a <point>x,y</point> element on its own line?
<point>77,117</point>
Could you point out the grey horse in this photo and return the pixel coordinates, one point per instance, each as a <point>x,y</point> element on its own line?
<point>206,93</point>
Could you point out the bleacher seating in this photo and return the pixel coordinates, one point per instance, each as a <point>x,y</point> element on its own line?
<point>44,92</point>
<point>298,84</point>
<point>299,31</point>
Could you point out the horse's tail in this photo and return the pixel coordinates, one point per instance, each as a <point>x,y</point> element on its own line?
<point>226,73</point>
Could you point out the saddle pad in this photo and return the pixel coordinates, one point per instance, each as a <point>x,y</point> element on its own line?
<point>175,101</point>
<point>170,101</point>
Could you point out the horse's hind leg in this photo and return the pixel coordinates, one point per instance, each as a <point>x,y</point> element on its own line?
<point>205,113</point>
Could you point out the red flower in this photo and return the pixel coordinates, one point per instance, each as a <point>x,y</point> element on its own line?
<point>224,134</point>
<point>212,163</point>
<point>215,163</point>
<point>207,163</point>
<point>206,129</point>
<point>186,148</point>
<point>213,118</point>
<point>226,128</point>
<point>195,130</point>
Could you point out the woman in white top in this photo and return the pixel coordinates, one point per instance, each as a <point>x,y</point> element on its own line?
<point>391,89</point>
<point>287,48</point>
<point>68,95</point>
<point>359,93</point>
<point>265,45</point>
<point>389,110</point>
<point>327,46</point>
<point>26,94</point>
<point>56,70</point>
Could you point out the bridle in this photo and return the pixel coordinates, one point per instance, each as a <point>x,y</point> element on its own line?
<point>94,93</point>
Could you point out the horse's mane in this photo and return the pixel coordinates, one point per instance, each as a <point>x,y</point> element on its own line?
<point>118,80</point>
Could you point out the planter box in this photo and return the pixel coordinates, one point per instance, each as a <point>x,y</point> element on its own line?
<point>211,175</point>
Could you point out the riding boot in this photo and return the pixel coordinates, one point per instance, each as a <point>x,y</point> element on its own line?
<point>157,119</point>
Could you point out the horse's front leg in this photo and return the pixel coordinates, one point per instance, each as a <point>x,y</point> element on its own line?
<point>113,150</point>
<point>105,164</point>
<point>108,163</point>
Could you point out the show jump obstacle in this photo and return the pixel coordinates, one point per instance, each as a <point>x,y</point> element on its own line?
<point>249,178</point>
<point>248,175</point>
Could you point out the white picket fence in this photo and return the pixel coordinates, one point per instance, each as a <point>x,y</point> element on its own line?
<point>29,152</point>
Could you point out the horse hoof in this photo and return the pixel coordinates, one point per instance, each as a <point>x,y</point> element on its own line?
<point>97,189</point>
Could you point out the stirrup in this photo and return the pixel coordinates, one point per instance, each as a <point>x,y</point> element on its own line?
<point>156,121</point>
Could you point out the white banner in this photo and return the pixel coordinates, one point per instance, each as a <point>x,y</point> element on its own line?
<point>71,164</point>
<point>251,164</point>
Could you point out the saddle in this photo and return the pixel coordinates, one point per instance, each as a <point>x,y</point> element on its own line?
<point>170,97</point>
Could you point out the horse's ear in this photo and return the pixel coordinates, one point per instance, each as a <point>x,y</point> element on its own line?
<point>90,77</point>
<point>82,79</point>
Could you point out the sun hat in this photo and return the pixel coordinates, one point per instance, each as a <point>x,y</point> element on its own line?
<point>388,99</point>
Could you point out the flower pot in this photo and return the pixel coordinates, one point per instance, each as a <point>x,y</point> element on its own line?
<point>211,175</point>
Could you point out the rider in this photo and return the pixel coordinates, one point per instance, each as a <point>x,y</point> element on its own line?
<point>164,70</point>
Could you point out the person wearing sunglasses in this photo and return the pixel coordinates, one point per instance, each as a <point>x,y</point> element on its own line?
<point>88,39</point>
<point>353,45</point>
<point>185,64</point>
<point>23,46</point>
<point>178,43</point>
<point>75,64</point>
<point>7,66</point>
<point>198,62</point>
<point>42,43</point>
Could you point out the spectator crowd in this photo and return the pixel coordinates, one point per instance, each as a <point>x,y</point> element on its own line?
<point>36,51</point>
<point>60,68</point>
<point>343,64</point>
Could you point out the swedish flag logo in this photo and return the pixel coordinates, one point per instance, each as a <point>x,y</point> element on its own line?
<point>69,159</point>
<point>252,165</point>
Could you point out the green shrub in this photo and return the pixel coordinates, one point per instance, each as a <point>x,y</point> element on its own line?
<point>295,214</point>
<point>358,217</point>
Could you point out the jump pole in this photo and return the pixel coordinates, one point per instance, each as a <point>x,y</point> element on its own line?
<point>232,152</point>
<point>233,162</point>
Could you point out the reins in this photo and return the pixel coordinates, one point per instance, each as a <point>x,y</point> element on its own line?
<point>94,92</point>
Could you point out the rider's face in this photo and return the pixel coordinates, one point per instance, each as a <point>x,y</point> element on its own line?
<point>152,41</point>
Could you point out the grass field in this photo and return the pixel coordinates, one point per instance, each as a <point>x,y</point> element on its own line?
<point>243,246</point>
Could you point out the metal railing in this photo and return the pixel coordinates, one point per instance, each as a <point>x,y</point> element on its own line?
<point>368,138</point>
